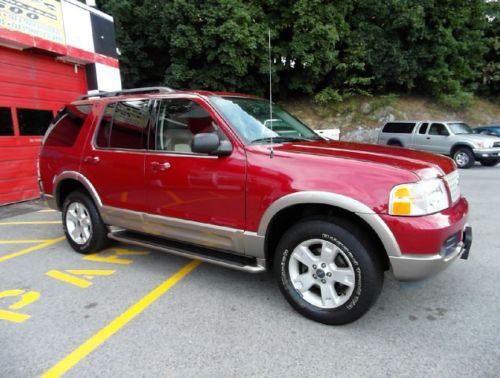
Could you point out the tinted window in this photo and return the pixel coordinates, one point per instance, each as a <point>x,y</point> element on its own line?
<point>104,130</point>
<point>129,123</point>
<point>123,124</point>
<point>179,120</point>
<point>438,129</point>
<point>6,126</point>
<point>68,126</point>
<point>33,121</point>
<point>399,127</point>
<point>423,128</point>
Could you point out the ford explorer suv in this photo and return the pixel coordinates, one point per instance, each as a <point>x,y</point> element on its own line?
<point>455,139</point>
<point>214,176</point>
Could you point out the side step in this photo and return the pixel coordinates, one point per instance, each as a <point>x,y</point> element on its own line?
<point>226,259</point>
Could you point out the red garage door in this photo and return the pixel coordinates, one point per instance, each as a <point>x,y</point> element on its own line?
<point>32,88</point>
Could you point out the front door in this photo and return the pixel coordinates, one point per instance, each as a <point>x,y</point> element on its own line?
<point>438,140</point>
<point>114,162</point>
<point>195,198</point>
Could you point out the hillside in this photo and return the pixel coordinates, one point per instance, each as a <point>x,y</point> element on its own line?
<point>360,118</point>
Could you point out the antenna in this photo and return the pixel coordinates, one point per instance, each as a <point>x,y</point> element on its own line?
<point>270,91</point>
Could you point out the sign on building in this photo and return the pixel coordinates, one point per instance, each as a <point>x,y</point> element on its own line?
<point>41,18</point>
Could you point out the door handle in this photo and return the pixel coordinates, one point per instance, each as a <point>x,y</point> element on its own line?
<point>91,159</point>
<point>157,166</point>
<point>428,138</point>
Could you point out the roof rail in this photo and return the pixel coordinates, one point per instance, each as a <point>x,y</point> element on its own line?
<point>128,91</point>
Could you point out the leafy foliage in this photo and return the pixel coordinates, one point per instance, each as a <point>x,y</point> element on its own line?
<point>330,49</point>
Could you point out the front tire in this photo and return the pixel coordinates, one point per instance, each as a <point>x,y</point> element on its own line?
<point>463,157</point>
<point>490,163</point>
<point>82,224</point>
<point>327,272</point>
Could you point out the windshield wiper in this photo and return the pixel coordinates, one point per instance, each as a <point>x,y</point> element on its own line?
<point>279,139</point>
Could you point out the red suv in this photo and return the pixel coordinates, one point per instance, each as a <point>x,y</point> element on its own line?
<point>216,177</point>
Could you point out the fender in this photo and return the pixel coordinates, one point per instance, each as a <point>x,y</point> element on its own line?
<point>337,200</point>
<point>81,179</point>
<point>462,144</point>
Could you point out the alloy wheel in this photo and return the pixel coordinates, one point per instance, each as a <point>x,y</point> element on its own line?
<point>322,273</point>
<point>78,223</point>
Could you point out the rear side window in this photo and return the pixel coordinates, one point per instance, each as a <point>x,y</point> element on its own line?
<point>398,127</point>
<point>123,125</point>
<point>68,126</point>
<point>6,125</point>
<point>34,121</point>
<point>423,128</point>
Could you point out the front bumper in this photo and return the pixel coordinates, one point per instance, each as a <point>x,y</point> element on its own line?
<point>417,266</point>
<point>486,153</point>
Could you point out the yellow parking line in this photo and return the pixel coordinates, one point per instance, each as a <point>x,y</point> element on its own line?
<point>105,333</point>
<point>28,222</point>
<point>47,211</point>
<point>30,249</point>
<point>29,241</point>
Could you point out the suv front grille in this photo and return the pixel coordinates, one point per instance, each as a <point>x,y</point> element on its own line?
<point>452,179</point>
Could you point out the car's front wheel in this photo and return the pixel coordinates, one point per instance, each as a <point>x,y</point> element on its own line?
<point>464,157</point>
<point>327,271</point>
<point>83,227</point>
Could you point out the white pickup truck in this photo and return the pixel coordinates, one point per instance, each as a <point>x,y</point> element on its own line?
<point>455,139</point>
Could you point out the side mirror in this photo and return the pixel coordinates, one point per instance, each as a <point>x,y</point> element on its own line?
<point>209,143</point>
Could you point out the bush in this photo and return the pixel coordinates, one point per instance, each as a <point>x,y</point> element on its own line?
<point>328,96</point>
<point>458,101</point>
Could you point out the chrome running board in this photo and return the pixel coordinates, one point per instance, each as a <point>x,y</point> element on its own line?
<point>190,251</point>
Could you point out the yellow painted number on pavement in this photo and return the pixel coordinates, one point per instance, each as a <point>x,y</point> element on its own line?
<point>114,257</point>
<point>70,276</point>
<point>26,299</point>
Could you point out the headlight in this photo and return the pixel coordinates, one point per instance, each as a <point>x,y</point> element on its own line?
<point>484,144</point>
<point>420,198</point>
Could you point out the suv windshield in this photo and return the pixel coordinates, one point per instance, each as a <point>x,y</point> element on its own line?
<point>460,128</point>
<point>250,119</point>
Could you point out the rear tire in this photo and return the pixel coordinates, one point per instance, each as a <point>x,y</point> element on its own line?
<point>490,162</point>
<point>327,272</point>
<point>82,224</point>
<point>395,143</point>
<point>463,157</point>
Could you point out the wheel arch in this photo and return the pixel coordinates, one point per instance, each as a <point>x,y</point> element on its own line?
<point>395,142</point>
<point>295,207</point>
<point>458,145</point>
<point>69,181</point>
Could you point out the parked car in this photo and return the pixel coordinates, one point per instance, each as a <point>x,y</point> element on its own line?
<point>455,139</point>
<point>493,130</point>
<point>212,176</point>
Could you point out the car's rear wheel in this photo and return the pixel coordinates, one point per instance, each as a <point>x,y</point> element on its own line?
<point>395,143</point>
<point>83,226</point>
<point>463,157</point>
<point>327,272</point>
<point>490,162</point>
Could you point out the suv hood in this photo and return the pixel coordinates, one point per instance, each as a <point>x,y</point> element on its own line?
<point>424,165</point>
<point>478,138</point>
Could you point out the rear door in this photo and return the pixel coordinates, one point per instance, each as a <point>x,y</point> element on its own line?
<point>420,137</point>
<point>114,161</point>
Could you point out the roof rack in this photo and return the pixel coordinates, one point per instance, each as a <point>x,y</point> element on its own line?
<point>128,91</point>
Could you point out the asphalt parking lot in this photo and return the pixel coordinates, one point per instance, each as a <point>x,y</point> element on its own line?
<point>135,312</point>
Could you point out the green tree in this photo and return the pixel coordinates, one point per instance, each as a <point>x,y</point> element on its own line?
<point>333,48</point>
